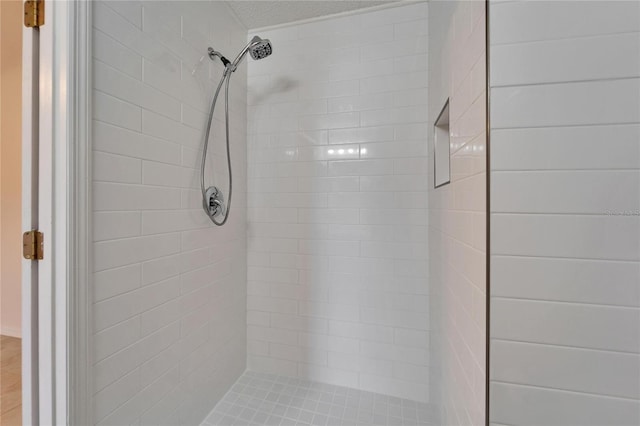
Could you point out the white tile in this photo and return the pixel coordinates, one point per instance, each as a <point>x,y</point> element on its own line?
<point>391,216</point>
<point>117,140</point>
<point>395,15</point>
<point>332,89</point>
<point>116,281</point>
<point>329,121</point>
<point>360,103</point>
<point>272,274</point>
<point>568,280</point>
<point>111,81</point>
<point>115,111</point>
<point>597,54</point>
<point>411,114</point>
<point>514,22</point>
<point>116,394</point>
<point>116,338</point>
<point>161,121</point>
<point>392,183</point>
<point>116,168</point>
<point>394,82</point>
<point>113,225</point>
<point>593,237</point>
<point>160,127</point>
<point>130,10</point>
<point>159,269</point>
<point>583,103</point>
<point>328,184</point>
<point>572,147</point>
<point>113,196</point>
<point>583,326</point>
<point>409,29</point>
<point>399,149</point>
<point>573,60</point>
<point>110,51</point>
<point>566,192</point>
<point>329,162</point>
<point>270,304</point>
<point>456,268</point>
<point>567,368</point>
<point>362,134</point>
<point>562,407</point>
<point>337,216</point>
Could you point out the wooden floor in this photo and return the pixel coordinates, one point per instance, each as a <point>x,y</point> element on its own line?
<point>10,381</point>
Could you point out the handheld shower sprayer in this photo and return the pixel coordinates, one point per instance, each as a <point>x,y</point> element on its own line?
<point>213,202</point>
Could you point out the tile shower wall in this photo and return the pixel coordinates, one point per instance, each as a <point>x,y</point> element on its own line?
<point>565,155</point>
<point>337,275</point>
<point>457,213</point>
<point>169,287</point>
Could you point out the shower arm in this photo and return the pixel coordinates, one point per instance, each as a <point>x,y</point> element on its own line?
<point>230,66</point>
<point>215,54</point>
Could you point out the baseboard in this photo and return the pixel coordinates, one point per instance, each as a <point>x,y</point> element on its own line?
<point>11,332</point>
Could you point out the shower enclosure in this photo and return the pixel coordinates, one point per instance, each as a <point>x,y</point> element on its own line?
<point>346,286</point>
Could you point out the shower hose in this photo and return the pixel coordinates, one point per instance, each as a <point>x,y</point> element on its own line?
<point>226,77</point>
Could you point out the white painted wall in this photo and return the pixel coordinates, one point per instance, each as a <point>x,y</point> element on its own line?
<point>337,276</point>
<point>169,287</point>
<point>457,213</point>
<point>565,197</point>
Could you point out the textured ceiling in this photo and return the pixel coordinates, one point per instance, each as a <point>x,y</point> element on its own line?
<point>256,14</point>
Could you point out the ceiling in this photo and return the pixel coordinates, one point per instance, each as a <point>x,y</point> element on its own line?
<point>256,14</point>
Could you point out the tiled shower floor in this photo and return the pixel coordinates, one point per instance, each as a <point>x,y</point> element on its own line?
<point>264,399</point>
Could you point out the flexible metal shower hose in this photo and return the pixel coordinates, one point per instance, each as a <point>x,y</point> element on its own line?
<point>205,203</point>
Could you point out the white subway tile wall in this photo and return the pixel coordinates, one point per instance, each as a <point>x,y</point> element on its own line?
<point>457,213</point>
<point>565,213</point>
<point>169,330</point>
<point>337,203</point>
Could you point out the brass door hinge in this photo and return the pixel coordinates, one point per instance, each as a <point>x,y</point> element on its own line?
<point>33,245</point>
<point>33,13</point>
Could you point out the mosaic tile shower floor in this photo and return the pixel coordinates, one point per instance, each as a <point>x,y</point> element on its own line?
<point>269,400</point>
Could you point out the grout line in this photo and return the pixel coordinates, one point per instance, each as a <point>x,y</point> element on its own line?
<point>488,256</point>
<point>564,302</point>
<point>551,345</point>
<point>574,38</point>
<point>577,259</point>
<point>595,395</point>
<point>564,83</point>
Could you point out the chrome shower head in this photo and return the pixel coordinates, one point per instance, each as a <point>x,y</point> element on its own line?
<point>260,48</point>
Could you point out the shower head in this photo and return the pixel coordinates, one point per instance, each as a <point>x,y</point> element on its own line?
<point>260,48</point>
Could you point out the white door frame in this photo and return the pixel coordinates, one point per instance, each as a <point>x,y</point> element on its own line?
<point>57,386</point>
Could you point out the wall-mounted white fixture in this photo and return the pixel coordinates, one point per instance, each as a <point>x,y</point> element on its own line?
<point>441,148</point>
